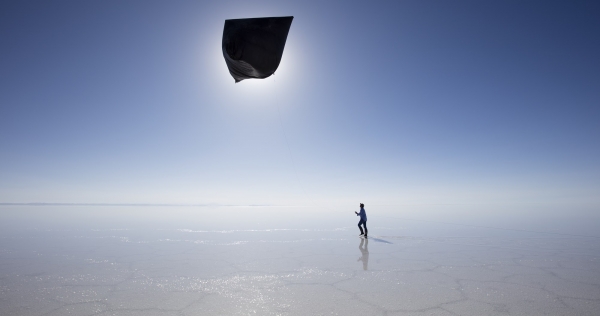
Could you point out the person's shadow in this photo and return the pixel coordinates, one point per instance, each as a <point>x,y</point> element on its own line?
<point>365,253</point>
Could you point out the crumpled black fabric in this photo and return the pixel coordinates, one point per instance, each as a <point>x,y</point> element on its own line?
<point>253,47</point>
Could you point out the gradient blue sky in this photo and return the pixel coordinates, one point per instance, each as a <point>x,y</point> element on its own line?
<point>381,102</point>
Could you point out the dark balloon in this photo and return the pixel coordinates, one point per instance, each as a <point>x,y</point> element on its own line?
<point>253,47</point>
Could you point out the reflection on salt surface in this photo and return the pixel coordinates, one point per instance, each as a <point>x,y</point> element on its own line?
<point>364,250</point>
<point>292,268</point>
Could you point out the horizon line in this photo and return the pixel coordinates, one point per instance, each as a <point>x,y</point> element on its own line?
<point>129,204</point>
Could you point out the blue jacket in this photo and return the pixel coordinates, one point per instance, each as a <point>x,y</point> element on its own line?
<point>362,214</point>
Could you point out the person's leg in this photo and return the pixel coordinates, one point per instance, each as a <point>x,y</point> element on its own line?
<point>361,230</point>
<point>365,226</point>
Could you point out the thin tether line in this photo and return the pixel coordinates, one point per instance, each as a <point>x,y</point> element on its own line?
<point>287,144</point>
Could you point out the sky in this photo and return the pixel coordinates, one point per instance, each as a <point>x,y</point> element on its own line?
<point>381,102</point>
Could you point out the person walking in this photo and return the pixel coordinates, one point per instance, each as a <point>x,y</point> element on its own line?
<point>363,220</point>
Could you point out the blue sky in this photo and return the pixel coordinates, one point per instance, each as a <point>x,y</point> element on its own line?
<point>381,102</point>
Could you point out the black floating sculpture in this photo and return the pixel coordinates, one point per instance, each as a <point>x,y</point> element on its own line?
<point>253,47</point>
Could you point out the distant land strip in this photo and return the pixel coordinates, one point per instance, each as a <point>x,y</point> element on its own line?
<point>138,204</point>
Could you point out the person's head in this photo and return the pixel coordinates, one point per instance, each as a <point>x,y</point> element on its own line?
<point>362,205</point>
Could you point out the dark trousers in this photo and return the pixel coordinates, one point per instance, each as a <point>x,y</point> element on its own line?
<point>364,223</point>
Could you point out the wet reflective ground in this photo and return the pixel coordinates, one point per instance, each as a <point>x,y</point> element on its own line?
<point>243,262</point>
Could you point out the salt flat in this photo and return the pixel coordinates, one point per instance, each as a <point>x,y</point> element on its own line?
<point>253,262</point>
